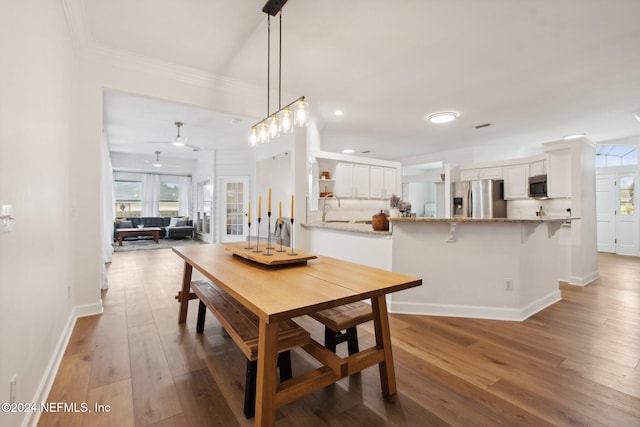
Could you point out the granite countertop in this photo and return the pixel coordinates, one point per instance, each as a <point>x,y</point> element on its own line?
<point>503,220</point>
<point>359,226</point>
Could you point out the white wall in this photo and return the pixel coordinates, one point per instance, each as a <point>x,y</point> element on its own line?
<point>38,264</point>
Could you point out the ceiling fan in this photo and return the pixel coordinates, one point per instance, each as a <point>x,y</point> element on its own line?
<point>179,141</point>
<point>157,162</point>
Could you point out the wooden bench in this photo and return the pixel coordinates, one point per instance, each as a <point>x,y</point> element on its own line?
<point>242,326</point>
<point>343,318</point>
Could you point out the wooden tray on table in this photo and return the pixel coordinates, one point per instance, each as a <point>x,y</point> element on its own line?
<point>275,259</point>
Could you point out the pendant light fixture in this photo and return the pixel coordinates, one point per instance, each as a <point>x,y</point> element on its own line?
<point>285,118</point>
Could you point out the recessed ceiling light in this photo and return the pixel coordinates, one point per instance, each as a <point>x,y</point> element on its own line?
<point>348,151</point>
<point>574,136</point>
<point>338,112</point>
<point>442,117</point>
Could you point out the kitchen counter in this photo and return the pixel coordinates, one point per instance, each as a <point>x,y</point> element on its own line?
<point>358,226</point>
<point>509,220</point>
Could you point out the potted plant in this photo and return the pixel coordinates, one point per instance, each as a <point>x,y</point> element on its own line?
<point>394,201</point>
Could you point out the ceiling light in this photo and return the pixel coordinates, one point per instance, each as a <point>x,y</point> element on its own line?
<point>348,151</point>
<point>338,113</point>
<point>574,136</point>
<point>178,142</point>
<point>442,117</point>
<point>295,113</point>
<point>157,162</point>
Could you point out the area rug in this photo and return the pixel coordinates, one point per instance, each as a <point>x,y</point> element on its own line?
<point>149,244</point>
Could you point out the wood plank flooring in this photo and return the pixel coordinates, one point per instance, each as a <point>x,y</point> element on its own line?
<point>575,363</point>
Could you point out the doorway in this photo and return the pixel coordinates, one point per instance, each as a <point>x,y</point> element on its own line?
<point>616,211</point>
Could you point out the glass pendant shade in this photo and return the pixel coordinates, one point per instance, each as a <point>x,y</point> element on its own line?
<point>274,128</point>
<point>301,112</point>
<point>286,120</point>
<point>253,137</point>
<point>263,133</point>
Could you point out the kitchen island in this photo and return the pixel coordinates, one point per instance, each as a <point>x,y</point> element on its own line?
<point>503,268</point>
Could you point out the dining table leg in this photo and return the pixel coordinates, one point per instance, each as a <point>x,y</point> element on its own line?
<point>265,414</point>
<point>383,341</point>
<point>186,290</point>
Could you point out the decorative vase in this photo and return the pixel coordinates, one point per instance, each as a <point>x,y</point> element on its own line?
<point>394,213</point>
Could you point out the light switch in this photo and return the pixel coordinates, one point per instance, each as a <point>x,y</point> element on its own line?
<point>6,218</point>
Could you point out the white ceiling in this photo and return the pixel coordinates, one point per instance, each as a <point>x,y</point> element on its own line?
<point>536,70</point>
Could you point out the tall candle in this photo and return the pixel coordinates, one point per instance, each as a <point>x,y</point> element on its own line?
<point>280,213</point>
<point>269,202</point>
<point>259,207</point>
<point>292,206</point>
<point>249,214</point>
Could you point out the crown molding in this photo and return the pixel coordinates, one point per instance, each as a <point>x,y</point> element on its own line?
<point>86,48</point>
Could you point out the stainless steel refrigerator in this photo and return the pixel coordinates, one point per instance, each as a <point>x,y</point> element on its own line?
<point>478,199</point>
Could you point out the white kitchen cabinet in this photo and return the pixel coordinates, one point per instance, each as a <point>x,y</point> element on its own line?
<point>559,174</point>
<point>516,182</point>
<point>482,173</point>
<point>361,182</point>
<point>344,180</point>
<point>538,168</point>
<point>383,182</point>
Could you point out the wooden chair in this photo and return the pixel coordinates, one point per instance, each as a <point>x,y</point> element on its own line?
<point>242,326</point>
<point>343,318</point>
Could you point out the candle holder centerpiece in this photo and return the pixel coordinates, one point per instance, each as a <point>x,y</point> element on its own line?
<point>269,247</point>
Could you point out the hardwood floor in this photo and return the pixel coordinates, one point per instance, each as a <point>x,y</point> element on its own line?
<point>575,363</point>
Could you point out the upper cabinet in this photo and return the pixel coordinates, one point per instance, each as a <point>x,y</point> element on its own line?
<point>559,174</point>
<point>357,180</point>
<point>516,182</point>
<point>352,180</point>
<point>344,180</point>
<point>481,173</point>
<point>538,168</point>
<point>383,182</point>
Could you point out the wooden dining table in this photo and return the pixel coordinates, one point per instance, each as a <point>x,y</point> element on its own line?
<point>284,291</point>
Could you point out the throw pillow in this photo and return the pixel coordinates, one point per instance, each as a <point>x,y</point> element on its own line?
<point>118,220</point>
<point>125,224</point>
<point>181,223</point>
<point>173,222</point>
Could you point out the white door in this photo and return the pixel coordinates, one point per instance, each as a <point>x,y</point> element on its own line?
<point>617,218</point>
<point>234,198</point>
<point>605,213</point>
<point>626,216</point>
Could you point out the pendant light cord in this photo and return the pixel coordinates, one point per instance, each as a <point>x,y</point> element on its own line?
<point>268,60</point>
<point>280,67</point>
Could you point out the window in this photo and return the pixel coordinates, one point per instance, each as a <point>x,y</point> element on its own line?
<point>626,195</point>
<point>235,208</point>
<point>616,155</point>
<point>128,198</point>
<point>169,199</point>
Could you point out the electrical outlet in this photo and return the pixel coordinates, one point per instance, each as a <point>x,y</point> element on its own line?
<point>12,388</point>
<point>508,284</point>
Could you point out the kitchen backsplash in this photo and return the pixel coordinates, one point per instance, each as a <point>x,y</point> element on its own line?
<point>349,209</point>
<point>528,208</point>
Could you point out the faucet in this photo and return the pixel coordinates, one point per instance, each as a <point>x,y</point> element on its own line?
<point>324,205</point>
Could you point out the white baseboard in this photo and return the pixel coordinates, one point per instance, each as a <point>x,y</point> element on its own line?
<point>42,393</point>
<point>584,280</point>
<point>492,313</point>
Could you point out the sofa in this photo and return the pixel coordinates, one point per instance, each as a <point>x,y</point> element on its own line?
<point>170,227</point>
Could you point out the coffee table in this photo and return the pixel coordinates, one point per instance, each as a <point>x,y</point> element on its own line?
<point>144,231</point>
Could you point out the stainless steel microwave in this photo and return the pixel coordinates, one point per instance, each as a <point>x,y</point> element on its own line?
<point>538,187</point>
